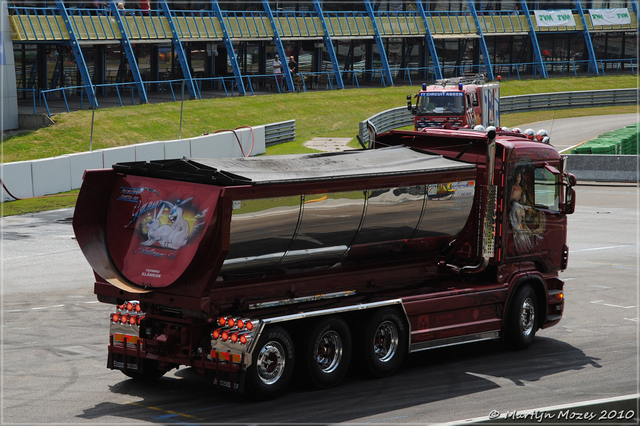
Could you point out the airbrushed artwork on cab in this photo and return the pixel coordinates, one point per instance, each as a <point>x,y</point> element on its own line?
<point>526,224</point>
<point>154,231</point>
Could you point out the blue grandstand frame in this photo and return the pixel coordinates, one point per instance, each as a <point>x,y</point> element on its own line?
<point>394,32</point>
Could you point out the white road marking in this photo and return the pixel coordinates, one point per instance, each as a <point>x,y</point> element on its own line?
<point>601,302</point>
<point>47,307</point>
<point>602,248</point>
<point>631,319</point>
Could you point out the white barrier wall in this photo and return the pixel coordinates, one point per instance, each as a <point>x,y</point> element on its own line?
<point>82,161</point>
<point>17,177</point>
<point>177,149</point>
<point>150,151</point>
<point>59,174</point>
<point>50,175</point>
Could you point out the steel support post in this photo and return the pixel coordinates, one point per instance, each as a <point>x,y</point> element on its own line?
<point>593,64</point>
<point>634,5</point>
<point>278,42</point>
<point>329,44</point>
<point>429,39</point>
<point>177,45</point>
<point>383,54</point>
<point>229,45</point>
<point>128,50</point>
<point>534,40</point>
<point>483,44</point>
<point>77,51</point>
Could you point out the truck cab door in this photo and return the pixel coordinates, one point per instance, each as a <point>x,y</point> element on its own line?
<point>536,227</point>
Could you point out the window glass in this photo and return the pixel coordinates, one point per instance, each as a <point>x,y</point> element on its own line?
<point>546,190</point>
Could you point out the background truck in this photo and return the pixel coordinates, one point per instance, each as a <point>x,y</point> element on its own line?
<point>457,102</point>
<point>247,268</point>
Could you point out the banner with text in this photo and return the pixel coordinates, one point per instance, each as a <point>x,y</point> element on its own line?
<point>610,16</point>
<point>554,18</point>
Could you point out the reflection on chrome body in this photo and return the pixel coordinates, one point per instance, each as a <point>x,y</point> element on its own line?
<point>322,230</point>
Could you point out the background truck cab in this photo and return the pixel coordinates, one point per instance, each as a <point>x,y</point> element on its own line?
<point>457,102</point>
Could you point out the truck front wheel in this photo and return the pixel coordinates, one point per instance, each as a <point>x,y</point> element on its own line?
<point>521,323</point>
<point>272,365</point>
<point>328,352</point>
<point>384,343</point>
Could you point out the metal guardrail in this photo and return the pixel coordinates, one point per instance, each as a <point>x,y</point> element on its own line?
<point>400,117</point>
<point>564,100</point>
<point>281,132</point>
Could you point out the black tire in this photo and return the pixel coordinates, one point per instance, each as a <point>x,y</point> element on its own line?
<point>272,364</point>
<point>522,321</point>
<point>150,371</point>
<point>328,352</point>
<point>384,344</point>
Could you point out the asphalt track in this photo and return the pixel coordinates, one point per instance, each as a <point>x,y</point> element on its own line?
<point>54,336</point>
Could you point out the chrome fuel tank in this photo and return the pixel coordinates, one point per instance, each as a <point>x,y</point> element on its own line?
<point>319,231</point>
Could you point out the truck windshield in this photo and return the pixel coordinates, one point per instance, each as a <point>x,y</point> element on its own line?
<point>441,103</point>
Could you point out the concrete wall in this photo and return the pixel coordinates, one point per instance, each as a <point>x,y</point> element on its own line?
<point>59,174</point>
<point>603,168</point>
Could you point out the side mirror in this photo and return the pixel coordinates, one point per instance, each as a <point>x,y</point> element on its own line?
<point>570,200</point>
<point>571,179</point>
<point>409,102</point>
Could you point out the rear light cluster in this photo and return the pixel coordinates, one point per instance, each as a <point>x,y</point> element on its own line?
<point>234,330</point>
<point>130,313</point>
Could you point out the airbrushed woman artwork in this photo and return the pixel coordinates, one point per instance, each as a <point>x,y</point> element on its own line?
<point>527,225</point>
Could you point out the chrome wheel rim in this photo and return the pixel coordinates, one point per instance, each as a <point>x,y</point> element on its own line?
<point>329,351</point>
<point>385,341</point>
<point>270,363</point>
<point>527,316</point>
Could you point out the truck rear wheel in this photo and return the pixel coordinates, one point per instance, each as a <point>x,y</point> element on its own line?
<point>272,366</point>
<point>385,343</point>
<point>521,323</point>
<point>328,352</point>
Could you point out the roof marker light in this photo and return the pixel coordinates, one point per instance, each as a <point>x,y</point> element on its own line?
<point>460,86</point>
<point>424,86</point>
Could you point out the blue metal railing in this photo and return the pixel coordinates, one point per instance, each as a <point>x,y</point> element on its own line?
<point>291,26</point>
<point>251,22</point>
<point>394,23</point>
<point>36,25</point>
<point>348,23</point>
<point>447,22</point>
<point>501,21</point>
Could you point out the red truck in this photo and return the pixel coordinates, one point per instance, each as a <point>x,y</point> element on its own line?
<point>244,268</point>
<point>457,102</point>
